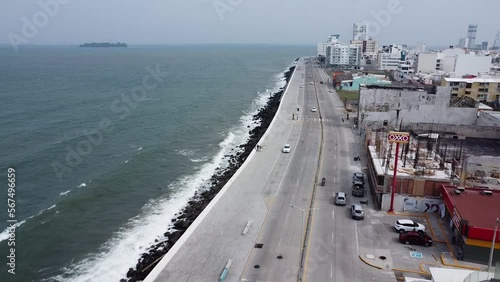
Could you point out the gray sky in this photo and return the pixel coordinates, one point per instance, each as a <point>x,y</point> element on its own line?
<point>435,22</point>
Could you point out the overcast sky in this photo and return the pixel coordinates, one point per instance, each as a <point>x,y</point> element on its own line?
<point>435,22</point>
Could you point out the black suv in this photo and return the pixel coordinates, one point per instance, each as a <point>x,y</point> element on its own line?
<point>358,176</point>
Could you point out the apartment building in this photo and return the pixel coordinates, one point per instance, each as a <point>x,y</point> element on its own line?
<point>478,88</point>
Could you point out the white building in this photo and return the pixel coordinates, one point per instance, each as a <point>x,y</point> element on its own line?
<point>360,31</point>
<point>343,54</point>
<point>387,61</point>
<point>332,39</point>
<point>390,57</point>
<point>426,62</point>
<point>471,64</point>
<point>404,69</point>
<point>453,61</point>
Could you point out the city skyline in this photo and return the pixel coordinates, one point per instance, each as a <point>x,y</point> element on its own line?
<point>54,22</point>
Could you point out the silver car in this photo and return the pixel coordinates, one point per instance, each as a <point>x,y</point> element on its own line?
<point>357,212</point>
<point>340,199</point>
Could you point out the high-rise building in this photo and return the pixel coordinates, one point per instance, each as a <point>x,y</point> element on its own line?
<point>471,34</point>
<point>463,42</point>
<point>343,54</point>
<point>332,39</point>
<point>496,43</point>
<point>484,45</point>
<point>420,47</point>
<point>360,31</point>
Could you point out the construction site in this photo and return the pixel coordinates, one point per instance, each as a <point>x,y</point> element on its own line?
<point>429,160</point>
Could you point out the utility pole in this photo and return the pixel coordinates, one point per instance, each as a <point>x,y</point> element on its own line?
<point>490,262</point>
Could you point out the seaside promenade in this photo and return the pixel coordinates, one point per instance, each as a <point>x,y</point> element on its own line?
<point>216,235</point>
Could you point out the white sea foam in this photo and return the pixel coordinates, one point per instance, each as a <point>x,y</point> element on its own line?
<point>64,193</point>
<point>202,159</point>
<point>5,234</point>
<point>122,251</point>
<point>82,185</point>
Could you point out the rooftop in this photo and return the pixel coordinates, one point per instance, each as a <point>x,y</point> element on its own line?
<point>403,86</point>
<point>478,209</point>
<point>472,80</point>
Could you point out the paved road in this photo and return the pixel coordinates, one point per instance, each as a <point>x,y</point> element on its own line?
<point>273,192</point>
<point>282,232</point>
<point>335,239</point>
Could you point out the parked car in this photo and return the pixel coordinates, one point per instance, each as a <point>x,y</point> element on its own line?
<point>313,109</point>
<point>358,176</point>
<point>358,189</point>
<point>340,199</point>
<point>357,212</point>
<point>407,225</point>
<point>415,238</point>
<point>286,148</point>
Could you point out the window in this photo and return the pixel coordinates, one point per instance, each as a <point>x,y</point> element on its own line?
<point>467,92</point>
<point>468,85</point>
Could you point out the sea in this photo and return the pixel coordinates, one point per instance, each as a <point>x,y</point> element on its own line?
<point>107,144</point>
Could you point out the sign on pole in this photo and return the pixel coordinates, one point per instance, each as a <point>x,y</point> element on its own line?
<point>399,137</point>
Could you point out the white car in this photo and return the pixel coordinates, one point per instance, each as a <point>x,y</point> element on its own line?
<point>286,148</point>
<point>406,225</point>
<point>340,199</point>
<point>313,109</point>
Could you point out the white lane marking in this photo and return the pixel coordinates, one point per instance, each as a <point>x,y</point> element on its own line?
<point>290,160</point>
<point>333,214</point>
<point>331,270</point>
<point>279,243</point>
<point>332,238</point>
<point>334,179</point>
<point>356,232</point>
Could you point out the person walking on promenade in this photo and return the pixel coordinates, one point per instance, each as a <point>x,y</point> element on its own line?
<point>342,119</point>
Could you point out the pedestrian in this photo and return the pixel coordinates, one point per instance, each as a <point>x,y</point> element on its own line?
<point>342,119</point>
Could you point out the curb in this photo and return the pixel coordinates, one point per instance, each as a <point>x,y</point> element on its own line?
<point>370,264</point>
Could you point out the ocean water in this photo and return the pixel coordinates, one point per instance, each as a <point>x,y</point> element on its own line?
<point>109,143</point>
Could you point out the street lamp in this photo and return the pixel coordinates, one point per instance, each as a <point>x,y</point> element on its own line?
<point>490,262</point>
<point>302,238</point>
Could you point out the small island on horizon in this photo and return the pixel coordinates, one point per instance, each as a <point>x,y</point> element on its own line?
<point>104,44</point>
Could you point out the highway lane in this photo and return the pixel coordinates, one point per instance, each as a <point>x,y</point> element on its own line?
<point>282,231</point>
<point>334,244</point>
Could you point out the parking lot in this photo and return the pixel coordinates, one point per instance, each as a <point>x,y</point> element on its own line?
<point>379,244</point>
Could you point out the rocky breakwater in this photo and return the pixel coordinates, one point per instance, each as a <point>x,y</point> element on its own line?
<point>197,204</point>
